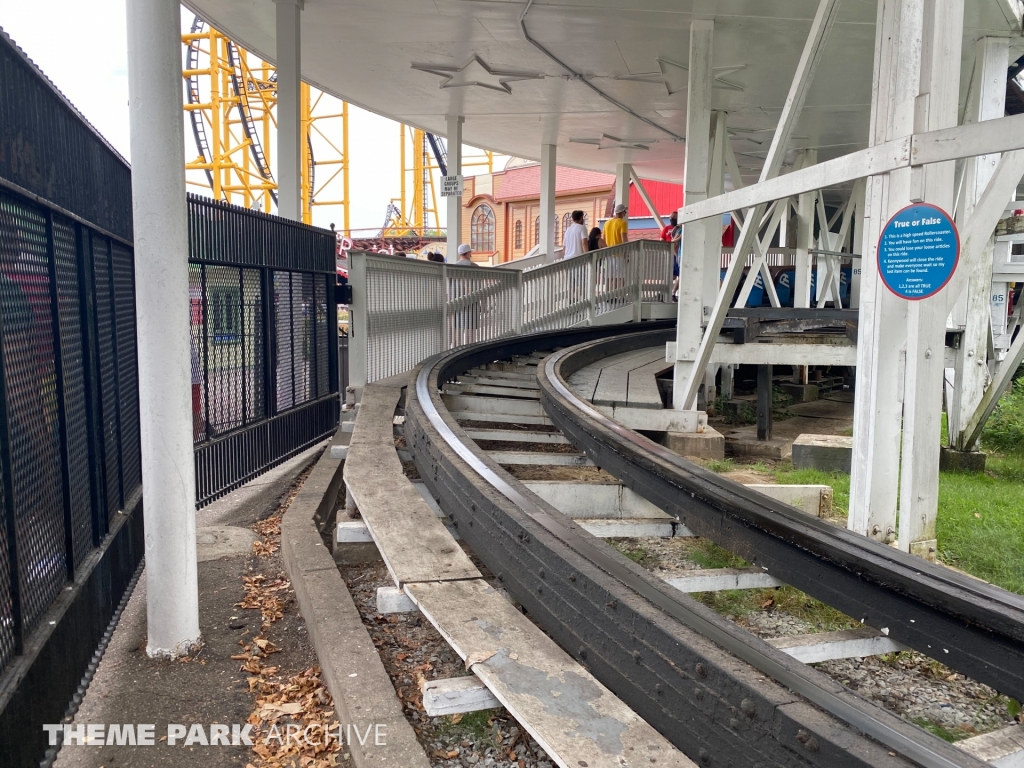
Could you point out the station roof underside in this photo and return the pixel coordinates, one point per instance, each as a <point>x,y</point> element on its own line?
<point>393,57</point>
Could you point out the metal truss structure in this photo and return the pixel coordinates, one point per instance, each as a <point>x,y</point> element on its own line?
<point>231,100</point>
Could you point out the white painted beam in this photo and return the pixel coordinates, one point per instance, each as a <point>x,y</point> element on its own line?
<point>499,418</point>
<point>653,420</point>
<point>517,436</point>
<point>719,579</point>
<point>1001,749</point>
<point>454,695</point>
<point>826,646</point>
<point>352,532</point>
<point>622,174</point>
<point>536,458</point>
<point>785,354</point>
<point>646,198</point>
<point>394,600</point>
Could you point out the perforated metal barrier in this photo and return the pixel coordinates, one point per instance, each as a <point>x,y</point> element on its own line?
<point>264,341</point>
<point>406,310</point>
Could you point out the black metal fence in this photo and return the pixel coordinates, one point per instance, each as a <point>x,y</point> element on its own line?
<point>70,473</point>
<point>264,341</point>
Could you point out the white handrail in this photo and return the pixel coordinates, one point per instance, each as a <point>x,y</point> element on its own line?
<point>404,310</point>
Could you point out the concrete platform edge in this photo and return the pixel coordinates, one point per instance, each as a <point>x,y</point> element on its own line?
<point>351,667</point>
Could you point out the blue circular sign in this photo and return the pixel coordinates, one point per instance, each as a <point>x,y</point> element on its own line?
<point>918,251</point>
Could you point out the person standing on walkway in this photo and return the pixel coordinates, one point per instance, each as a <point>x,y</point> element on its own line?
<point>466,256</point>
<point>574,239</point>
<point>467,314</point>
<point>616,229</point>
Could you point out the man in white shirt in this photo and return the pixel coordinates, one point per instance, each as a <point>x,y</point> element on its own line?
<point>574,239</point>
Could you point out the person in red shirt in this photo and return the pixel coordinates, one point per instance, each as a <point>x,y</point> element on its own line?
<point>668,231</point>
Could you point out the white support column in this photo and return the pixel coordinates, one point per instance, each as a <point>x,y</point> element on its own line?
<point>692,259</point>
<point>622,173</point>
<point>289,108</point>
<point>548,166</point>
<point>164,345</point>
<point>805,207</point>
<point>942,38</point>
<point>454,169</point>
<point>987,101</point>
<point>712,234</point>
<point>812,53</point>
<point>859,242</point>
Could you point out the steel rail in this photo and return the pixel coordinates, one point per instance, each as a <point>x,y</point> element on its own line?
<point>520,537</point>
<point>967,624</point>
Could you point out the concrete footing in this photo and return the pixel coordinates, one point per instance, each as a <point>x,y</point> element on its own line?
<point>801,393</point>
<point>951,460</point>
<point>777,448</point>
<point>830,453</point>
<point>709,444</point>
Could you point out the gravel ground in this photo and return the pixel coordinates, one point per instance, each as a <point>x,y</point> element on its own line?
<point>413,651</point>
<point>913,686</point>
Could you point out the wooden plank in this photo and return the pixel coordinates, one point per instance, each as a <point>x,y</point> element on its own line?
<point>537,458</point>
<point>453,695</point>
<point>613,383</point>
<point>510,373</point>
<point>651,420</point>
<point>826,646</point>
<point>484,405</point>
<point>634,528</point>
<point>499,418</point>
<point>1003,748</point>
<point>487,389</point>
<point>573,717</point>
<point>785,354</point>
<point>717,579</point>
<point>508,367</point>
<point>584,382</point>
<point>410,536</point>
<point>643,391</point>
<point>500,381</point>
<point>517,436</point>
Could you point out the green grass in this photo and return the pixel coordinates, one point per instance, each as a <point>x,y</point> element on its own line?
<point>980,526</point>
<point>635,552</point>
<point>938,730</point>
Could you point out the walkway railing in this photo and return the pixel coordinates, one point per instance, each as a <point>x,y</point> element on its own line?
<point>405,310</point>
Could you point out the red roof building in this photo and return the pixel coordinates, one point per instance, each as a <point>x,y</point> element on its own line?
<point>501,219</point>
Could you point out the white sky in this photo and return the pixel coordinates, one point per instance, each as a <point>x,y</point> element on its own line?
<point>80,45</point>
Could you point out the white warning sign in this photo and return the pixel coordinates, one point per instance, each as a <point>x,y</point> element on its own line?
<point>451,186</point>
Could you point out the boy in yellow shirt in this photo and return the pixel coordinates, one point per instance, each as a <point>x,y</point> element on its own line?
<point>615,228</point>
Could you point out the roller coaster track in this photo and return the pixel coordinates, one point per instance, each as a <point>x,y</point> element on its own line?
<point>241,86</point>
<point>720,694</point>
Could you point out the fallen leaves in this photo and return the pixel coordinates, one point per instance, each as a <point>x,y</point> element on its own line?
<point>263,595</point>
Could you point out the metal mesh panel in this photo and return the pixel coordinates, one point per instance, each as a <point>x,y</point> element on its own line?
<point>108,377</point>
<point>76,421</point>
<point>556,296</point>
<point>483,304</point>
<point>127,367</point>
<point>6,606</point>
<point>302,326</point>
<point>198,355</point>
<point>404,315</point>
<point>225,350</point>
<point>285,336</point>
<point>32,409</point>
<point>252,345</point>
<point>323,352</point>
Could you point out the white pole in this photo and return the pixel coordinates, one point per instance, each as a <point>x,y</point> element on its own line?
<point>454,169</point>
<point>548,166</point>
<point>165,361</point>
<point>690,312</point>
<point>289,114</point>
<point>622,174</point>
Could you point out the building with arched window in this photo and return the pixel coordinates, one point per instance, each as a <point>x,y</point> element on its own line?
<point>501,218</point>
<point>482,229</point>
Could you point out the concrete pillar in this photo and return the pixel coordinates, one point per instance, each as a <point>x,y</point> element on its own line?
<point>162,298</point>
<point>548,163</point>
<point>289,111</point>
<point>454,169</point>
<point>692,260</point>
<point>623,171</point>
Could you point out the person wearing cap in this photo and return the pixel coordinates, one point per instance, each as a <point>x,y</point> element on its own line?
<point>466,256</point>
<point>615,228</point>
